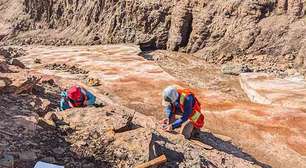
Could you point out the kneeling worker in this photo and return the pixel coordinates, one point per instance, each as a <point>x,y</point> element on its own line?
<point>182,102</point>
<point>76,97</point>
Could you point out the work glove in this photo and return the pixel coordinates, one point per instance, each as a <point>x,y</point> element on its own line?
<point>99,105</point>
<point>165,121</point>
<point>167,128</point>
<point>63,94</point>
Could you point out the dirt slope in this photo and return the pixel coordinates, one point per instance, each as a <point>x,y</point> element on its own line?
<point>274,135</point>
<point>269,33</point>
<point>96,137</point>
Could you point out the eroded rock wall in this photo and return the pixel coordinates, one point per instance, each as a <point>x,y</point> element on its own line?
<point>103,21</point>
<point>220,31</point>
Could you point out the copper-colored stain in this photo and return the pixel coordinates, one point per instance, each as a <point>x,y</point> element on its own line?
<point>298,144</point>
<point>147,91</point>
<point>221,106</point>
<point>243,121</point>
<point>110,71</point>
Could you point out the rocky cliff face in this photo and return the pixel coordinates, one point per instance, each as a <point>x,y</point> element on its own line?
<point>263,31</point>
<point>102,21</point>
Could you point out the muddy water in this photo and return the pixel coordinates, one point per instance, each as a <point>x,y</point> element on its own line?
<point>274,135</point>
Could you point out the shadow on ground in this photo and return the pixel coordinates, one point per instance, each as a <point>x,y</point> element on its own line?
<point>227,147</point>
<point>158,146</point>
<point>147,55</point>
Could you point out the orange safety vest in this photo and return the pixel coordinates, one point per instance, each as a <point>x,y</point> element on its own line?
<point>196,117</point>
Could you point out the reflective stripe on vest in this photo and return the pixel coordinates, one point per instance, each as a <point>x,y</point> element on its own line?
<point>195,116</point>
<point>182,98</point>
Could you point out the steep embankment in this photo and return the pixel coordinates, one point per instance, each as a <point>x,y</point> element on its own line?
<point>264,32</point>
<point>274,135</point>
<point>105,136</point>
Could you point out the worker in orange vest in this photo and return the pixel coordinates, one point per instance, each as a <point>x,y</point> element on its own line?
<point>182,102</point>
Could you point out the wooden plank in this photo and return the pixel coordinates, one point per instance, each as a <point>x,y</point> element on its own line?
<point>200,144</point>
<point>155,162</point>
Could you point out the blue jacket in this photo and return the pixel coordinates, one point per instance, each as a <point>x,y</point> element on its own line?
<point>188,104</point>
<point>64,105</point>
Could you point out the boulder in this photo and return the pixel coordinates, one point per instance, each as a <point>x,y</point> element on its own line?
<point>47,124</point>
<point>58,150</point>
<point>45,105</point>
<point>231,69</point>
<point>37,61</point>
<point>4,68</point>
<point>3,65</point>
<point>16,62</point>
<point>235,69</point>
<point>176,149</point>
<point>2,84</point>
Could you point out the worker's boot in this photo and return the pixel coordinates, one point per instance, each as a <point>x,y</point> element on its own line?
<point>99,103</point>
<point>196,133</point>
<point>187,129</point>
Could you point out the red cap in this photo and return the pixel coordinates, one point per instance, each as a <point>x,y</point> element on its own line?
<point>74,93</point>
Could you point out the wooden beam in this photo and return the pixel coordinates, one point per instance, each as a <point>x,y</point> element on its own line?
<point>200,144</point>
<point>155,162</point>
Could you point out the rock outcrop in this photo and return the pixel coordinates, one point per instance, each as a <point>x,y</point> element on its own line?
<point>141,143</point>
<point>209,28</point>
<point>267,31</point>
